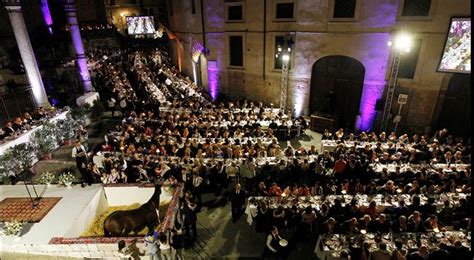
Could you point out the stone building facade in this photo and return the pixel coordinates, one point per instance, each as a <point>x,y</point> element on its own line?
<point>328,35</point>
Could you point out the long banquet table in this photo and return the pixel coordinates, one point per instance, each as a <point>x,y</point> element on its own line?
<point>316,202</point>
<point>26,137</point>
<point>329,247</point>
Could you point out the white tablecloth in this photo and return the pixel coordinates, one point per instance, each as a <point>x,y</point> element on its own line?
<point>251,211</point>
<point>25,137</point>
<point>324,253</point>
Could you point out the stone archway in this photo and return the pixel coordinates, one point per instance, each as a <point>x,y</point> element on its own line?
<point>455,107</point>
<point>336,88</point>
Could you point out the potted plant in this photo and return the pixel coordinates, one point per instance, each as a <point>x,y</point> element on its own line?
<point>23,156</point>
<point>15,160</point>
<point>66,129</point>
<point>66,179</point>
<point>81,114</point>
<point>97,109</point>
<point>13,228</point>
<point>7,168</point>
<point>44,140</point>
<point>46,178</point>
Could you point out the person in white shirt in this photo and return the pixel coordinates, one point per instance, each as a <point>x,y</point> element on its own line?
<point>197,181</point>
<point>80,154</point>
<point>111,103</point>
<point>166,251</point>
<point>151,246</point>
<point>272,244</point>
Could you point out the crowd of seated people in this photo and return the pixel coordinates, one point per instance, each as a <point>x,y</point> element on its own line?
<point>22,124</point>
<point>171,130</point>
<point>167,115</point>
<point>436,167</point>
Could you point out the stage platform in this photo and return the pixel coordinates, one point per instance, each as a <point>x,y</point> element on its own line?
<point>71,215</point>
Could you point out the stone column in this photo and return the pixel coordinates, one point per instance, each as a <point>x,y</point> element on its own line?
<point>26,51</point>
<point>81,60</point>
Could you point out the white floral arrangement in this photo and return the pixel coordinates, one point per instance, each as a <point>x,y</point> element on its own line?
<point>46,177</point>
<point>66,178</point>
<point>13,228</point>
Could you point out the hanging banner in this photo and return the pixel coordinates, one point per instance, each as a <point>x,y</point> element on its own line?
<point>196,49</point>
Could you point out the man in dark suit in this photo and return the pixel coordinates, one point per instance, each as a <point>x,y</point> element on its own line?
<point>440,253</point>
<point>9,129</point>
<point>459,252</point>
<point>189,210</point>
<point>237,200</point>
<point>80,154</point>
<point>415,224</point>
<point>381,224</point>
<point>420,254</point>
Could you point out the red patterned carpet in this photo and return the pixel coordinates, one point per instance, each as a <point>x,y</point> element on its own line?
<point>20,209</point>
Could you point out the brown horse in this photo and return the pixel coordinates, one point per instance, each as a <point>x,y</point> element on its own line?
<point>122,222</point>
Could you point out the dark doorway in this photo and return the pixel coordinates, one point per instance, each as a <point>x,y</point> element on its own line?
<point>336,88</point>
<point>455,112</point>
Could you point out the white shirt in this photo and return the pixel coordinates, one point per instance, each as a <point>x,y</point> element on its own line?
<point>74,151</point>
<point>269,241</point>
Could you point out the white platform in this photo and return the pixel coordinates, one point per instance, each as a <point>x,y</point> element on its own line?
<point>60,218</point>
<point>70,216</point>
<point>87,98</point>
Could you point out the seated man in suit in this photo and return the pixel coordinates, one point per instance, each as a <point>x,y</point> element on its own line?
<point>415,224</point>
<point>433,224</point>
<point>381,224</point>
<point>400,225</point>
<point>9,129</point>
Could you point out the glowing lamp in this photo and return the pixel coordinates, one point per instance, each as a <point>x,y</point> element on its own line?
<point>286,57</point>
<point>402,42</point>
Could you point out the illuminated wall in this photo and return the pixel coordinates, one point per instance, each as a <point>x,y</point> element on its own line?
<point>317,35</point>
<point>213,79</point>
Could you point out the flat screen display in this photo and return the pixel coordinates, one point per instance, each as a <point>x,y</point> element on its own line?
<point>138,25</point>
<point>456,56</point>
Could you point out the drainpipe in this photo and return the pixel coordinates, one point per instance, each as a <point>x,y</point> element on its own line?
<point>264,34</point>
<point>202,23</point>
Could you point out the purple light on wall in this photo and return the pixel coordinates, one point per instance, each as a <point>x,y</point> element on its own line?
<point>374,83</point>
<point>48,20</point>
<point>213,78</point>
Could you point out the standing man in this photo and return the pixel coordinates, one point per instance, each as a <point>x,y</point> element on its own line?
<point>111,104</point>
<point>190,219</point>
<point>79,153</point>
<point>272,246</point>
<point>248,172</point>
<point>237,199</point>
<point>197,181</point>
